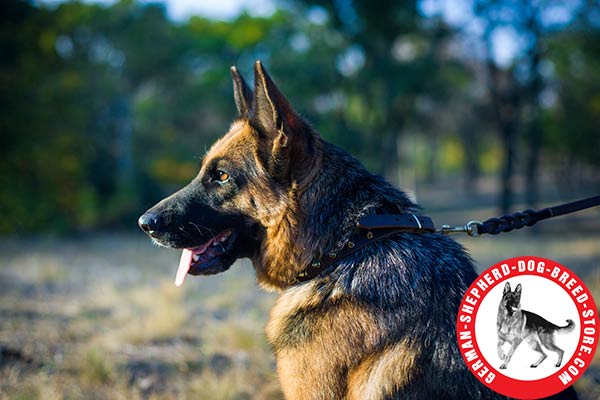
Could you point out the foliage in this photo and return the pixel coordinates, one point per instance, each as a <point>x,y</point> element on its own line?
<point>572,125</point>
<point>106,109</point>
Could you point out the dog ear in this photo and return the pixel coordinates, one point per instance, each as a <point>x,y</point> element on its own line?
<point>518,293</point>
<point>271,110</point>
<point>287,136</point>
<point>506,288</point>
<point>242,94</point>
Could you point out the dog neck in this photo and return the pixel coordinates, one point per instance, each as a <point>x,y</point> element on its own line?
<point>313,223</point>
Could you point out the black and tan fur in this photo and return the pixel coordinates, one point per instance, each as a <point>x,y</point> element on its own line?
<point>382,324</point>
<point>516,325</point>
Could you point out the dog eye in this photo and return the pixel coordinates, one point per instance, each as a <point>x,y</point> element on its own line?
<point>222,176</point>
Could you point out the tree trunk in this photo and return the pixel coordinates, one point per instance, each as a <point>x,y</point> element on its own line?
<point>535,130</point>
<point>124,148</point>
<point>506,192</point>
<point>504,91</point>
<point>470,143</point>
<point>389,161</point>
<point>506,104</point>
<point>532,162</point>
<point>431,173</point>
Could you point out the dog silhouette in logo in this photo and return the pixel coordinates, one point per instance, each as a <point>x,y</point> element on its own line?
<point>516,325</point>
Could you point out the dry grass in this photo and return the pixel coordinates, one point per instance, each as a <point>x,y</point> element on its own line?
<point>101,319</point>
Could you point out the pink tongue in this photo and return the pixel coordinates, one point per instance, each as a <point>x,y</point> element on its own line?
<point>186,261</point>
<point>184,266</point>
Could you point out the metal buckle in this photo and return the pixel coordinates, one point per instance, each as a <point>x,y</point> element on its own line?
<point>471,229</point>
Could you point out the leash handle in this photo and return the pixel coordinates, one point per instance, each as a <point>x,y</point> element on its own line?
<point>509,222</point>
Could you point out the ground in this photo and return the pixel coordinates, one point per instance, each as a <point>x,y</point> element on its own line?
<point>98,317</point>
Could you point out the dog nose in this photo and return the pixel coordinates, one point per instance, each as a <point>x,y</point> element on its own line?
<point>148,222</point>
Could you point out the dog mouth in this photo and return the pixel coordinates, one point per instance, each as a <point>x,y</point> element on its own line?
<point>512,308</point>
<point>205,259</point>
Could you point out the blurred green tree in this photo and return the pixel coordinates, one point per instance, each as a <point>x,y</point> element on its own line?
<point>104,109</point>
<point>572,122</point>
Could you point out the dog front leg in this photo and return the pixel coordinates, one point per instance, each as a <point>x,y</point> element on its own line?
<point>513,347</point>
<point>501,342</point>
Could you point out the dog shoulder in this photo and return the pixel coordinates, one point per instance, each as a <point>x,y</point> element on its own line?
<point>317,309</point>
<point>290,302</point>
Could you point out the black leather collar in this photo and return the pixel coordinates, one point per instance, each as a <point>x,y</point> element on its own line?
<point>369,229</point>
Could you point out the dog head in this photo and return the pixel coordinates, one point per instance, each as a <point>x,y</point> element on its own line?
<point>511,300</point>
<point>243,184</point>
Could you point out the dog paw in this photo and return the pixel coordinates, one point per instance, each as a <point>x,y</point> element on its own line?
<point>503,366</point>
<point>533,366</point>
<point>557,364</point>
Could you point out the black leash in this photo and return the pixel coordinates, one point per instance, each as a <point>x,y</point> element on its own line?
<point>509,222</point>
<point>372,228</point>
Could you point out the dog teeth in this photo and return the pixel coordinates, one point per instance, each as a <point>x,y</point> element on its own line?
<point>225,236</point>
<point>196,257</point>
<point>215,244</point>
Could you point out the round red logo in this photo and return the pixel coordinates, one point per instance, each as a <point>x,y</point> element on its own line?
<point>527,327</point>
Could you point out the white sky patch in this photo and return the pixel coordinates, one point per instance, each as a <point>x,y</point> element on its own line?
<point>317,15</point>
<point>429,7</point>
<point>404,50</point>
<point>300,42</point>
<point>561,13</point>
<point>454,12</point>
<point>506,41</point>
<point>181,10</point>
<point>351,60</point>
<point>506,45</point>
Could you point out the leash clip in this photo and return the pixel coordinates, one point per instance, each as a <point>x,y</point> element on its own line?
<point>471,229</point>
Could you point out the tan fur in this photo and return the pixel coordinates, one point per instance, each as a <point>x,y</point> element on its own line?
<point>381,374</point>
<point>315,369</point>
<point>328,364</point>
<point>295,298</point>
<point>343,335</point>
<point>284,254</point>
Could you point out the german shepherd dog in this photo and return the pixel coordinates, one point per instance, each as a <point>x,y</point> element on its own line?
<point>515,325</point>
<point>381,325</point>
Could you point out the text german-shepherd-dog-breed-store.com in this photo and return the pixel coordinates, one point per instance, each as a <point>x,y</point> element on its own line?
<point>379,324</point>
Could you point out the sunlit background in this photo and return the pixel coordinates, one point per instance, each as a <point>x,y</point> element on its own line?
<point>474,107</point>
